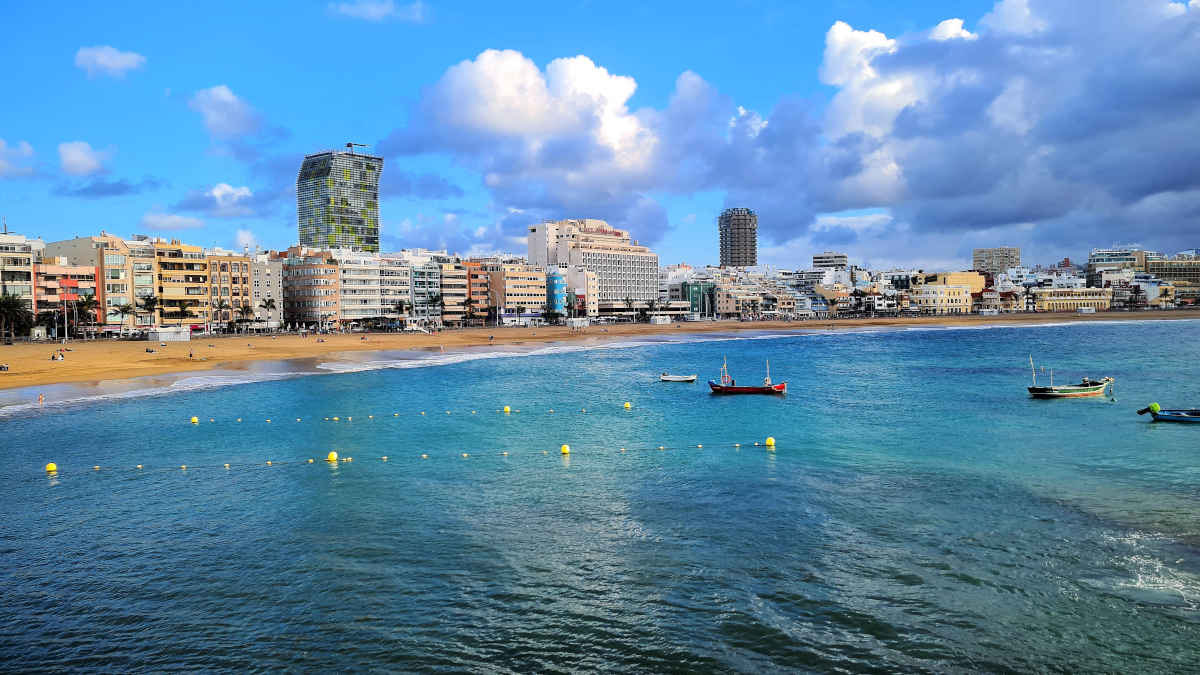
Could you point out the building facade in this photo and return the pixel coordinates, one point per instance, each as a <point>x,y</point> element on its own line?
<point>624,269</point>
<point>518,291</point>
<point>941,299</point>
<point>738,229</point>
<point>830,260</point>
<point>229,286</point>
<point>17,256</point>
<point>266,288</point>
<point>311,287</point>
<point>454,293</point>
<point>1071,299</point>
<point>337,201</point>
<point>995,260</point>
<point>56,283</point>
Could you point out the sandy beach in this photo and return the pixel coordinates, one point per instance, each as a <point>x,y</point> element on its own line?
<point>30,364</point>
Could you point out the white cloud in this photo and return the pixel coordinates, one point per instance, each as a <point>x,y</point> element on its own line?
<point>848,53</point>
<point>227,196</point>
<point>951,29</point>
<point>105,60</point>
<point>78,158</point>
<point>12,158</point>
<point>378,10</point>
<point>225,115</point>
<point>246,239</point>
<point>1013,16</point>
<point>156,220</point>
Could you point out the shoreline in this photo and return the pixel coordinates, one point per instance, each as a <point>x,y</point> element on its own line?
<point>96,362</point>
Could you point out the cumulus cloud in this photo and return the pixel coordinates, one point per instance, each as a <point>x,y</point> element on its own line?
<point>380,10</point>
<point>14,159</point>
<point>1024,132</point>
<point>158,220</point>
<point>224,201</point>
<point>225,115</point>
<point>78,158</point>
<point>106,60</point>
<point>398,183</point>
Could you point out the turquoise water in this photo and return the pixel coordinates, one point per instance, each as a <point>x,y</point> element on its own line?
<point>920,513</point>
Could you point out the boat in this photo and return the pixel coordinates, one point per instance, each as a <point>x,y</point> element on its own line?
<point>676,378</point>
<point>728,385</point>
<point>1160,415</point>
<point>1086,388</point>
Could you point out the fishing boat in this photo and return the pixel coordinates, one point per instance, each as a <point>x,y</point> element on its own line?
<point>676,378</point>
<point>728,385</point>
<point>1086,388</point>
<point>1160,415</point>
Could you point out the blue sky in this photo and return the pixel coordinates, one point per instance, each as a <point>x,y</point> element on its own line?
<point>882,129</point>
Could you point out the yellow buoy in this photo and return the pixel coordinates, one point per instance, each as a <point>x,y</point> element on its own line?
<point>447,412</point>
<point>51,467</point>
<point>349,419</point>
<point>422,412</point>
<point>472,412</point>
<point>195,420</point>
<point>268,421</point>
<point>424,456</point>
<point>139,466</point>
<point>698,445</point>
<point>310,461</point>
<point>268,462</point>
<point>239,419</point>
<point>96,468</point>
<point>183,466</point>
<point>465,455</point>
<point>226,465</point>
<point>211,420</point>
<point>622,449</point>
<point>507,409</point>
<point>297,419</point>
<point>384,458</point>
<point>770,441</point>
<point>332,456</point>
<point>583,410</point>
<point>756,442</point>
<point>326,419</point>
<point>370,417</point>
<point>505,453</point>
<point>661,448</point>
<point>565,449</point>
<point>552,410</point>
<point>628,405</point>
<point>349,459</point>
<point>737,445</point>
<point>336,419</point>
<point>395,414</point>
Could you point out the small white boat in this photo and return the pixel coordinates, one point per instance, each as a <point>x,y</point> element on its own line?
<point>676,378</point>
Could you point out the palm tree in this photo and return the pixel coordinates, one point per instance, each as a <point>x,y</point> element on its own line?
<point>469,316</point>
<point>124,311</point>
<point>520,311</point>
<point>246,311</point>
<point>150,304</point>
<point>220,306</point>
<point>12,313</point>
<point>652,305</point>
<point>267,305</point>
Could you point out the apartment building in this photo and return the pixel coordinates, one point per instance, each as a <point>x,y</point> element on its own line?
<point>624,269</point>
<point>478,297</point>
<point>995,260</point>
<point>55,283</point>
<point>831,260</point>
<point>114,259</point>
<point>266,284</point>
<point>360,285</point>
<point>184,291</point>
<point>455,291</point>
<point>229,285</point>
<point>311,287</point>
<point>518,291</point>
<point>395,286</point>
<point>17,256</point>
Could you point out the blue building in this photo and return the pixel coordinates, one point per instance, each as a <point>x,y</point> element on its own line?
<point>556,292</point>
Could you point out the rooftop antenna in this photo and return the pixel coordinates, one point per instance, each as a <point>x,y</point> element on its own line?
<point>5,224</point>
<point>350,146</point>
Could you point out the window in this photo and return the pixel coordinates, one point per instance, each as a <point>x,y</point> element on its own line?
<point>113,259</point>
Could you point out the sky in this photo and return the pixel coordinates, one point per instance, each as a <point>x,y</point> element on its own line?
<point>902,133</point>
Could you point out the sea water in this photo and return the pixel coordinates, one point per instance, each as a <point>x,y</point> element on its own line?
<point>919,511</point>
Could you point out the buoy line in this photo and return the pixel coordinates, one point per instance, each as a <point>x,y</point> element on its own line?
<point>334,459</point>
<point>506,410</point>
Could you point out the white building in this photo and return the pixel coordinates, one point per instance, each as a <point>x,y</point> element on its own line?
<point>266,283</point>
<point>624,269</point>
<point>831,259</point>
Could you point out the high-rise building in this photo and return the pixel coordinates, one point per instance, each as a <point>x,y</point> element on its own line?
<point>266,275</point>
<point>739,237</point>
<point>995,260</point>
<point>830,259</point>
<point>624,269</point>
<point>337,201</point>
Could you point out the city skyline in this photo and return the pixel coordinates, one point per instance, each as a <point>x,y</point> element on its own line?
<point>898,135</point>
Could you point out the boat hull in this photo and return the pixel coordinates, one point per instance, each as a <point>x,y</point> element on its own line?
<point>776,389</point>
<point>1185,416</point>
<point>677,378</point>
<point>1071,390</point>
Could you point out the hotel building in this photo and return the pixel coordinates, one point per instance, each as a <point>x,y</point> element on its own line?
<point>266,283</point>
<point>229,285</point>
<point>624,269</point>
<point>1070,299</point>
<point>830,260</point>
<point>518,291</point>
<point>995,260</point>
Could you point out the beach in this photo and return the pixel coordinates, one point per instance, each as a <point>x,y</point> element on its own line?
<point>99,360</point>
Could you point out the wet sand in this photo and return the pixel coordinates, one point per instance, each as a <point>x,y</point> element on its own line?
<point>95,361</point>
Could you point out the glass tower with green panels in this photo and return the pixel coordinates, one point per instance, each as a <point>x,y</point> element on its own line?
<point>337,201</point>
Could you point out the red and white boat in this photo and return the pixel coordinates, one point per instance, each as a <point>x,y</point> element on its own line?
<point>728,385</point>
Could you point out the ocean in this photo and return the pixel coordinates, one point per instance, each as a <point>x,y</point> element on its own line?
<point>919,512</point>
